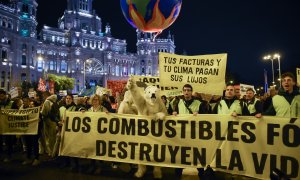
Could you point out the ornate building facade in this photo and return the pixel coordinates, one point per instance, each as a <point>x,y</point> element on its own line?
<point>76,48</point>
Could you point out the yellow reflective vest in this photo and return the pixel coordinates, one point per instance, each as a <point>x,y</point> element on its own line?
<point>251,107</point>
<point>284,109</point>
<point>194,106</point>
<point>235,107</point>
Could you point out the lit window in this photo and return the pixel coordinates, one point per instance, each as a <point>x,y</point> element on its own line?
<point>117,71</point>
<point>52,65</point>
<point>40,65</point>
<point>132,70</point>
<point>64,66</point>
<point>4,56</point>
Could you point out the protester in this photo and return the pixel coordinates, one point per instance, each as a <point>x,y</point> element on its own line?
<point>230,104</point>
<point>49,124</point>
<point>95,101</point>
<point>67,105</point>
<point>268,100</point>
<point>287,102</point>
<point>167,104</point>
<point>106,103</point>
<point>189,105</point>
<point>254,105</point>
<point>5,103</point>
<point>32,145</point>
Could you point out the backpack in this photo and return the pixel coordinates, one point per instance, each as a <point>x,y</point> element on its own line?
<point>54,112</point>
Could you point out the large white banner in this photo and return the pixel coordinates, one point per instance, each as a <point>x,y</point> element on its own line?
<point>243,145</point>
<point>298,76</point>
<point>19,122</point>
<point>206,73</point>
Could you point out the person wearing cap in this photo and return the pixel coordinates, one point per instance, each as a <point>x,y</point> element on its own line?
<point>5,103</point>
<point>287,102</point>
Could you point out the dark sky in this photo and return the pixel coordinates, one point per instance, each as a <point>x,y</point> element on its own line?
<point>245,29</point>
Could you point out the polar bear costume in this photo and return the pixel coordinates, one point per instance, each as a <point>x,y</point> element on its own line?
<point>147,104</point>
<point>127,106</point>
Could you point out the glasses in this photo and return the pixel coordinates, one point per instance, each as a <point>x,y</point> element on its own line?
<point>95,99</point>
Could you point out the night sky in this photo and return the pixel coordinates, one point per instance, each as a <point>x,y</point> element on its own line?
<point>246,30</point>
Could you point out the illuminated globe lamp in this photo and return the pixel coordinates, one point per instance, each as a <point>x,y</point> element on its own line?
<point>152,16</point>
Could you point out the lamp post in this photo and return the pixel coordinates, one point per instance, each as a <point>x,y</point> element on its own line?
<point>277,56</point>
<point>84,70</point>
<point>268,57</point>
<point>10,78</point>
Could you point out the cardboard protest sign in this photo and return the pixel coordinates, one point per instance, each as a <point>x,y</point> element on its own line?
<point>144,81</point>
<point>206,73</point>
<point>19,122</point>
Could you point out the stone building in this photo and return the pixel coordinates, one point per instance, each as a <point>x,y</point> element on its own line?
<point>79,47</point>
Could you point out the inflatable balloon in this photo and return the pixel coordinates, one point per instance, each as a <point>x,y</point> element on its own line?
<point>151,15</point>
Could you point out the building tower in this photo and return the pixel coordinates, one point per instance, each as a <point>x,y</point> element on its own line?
<point>26,10</point>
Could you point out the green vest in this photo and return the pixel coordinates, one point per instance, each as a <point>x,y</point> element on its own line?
<point>194,106</point>
<point>7,106</point>
<point>284,109</point>
<point>62,111</point>
<point>235,107</point>
<point>251,107</point>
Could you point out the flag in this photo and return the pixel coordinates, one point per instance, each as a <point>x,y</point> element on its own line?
<point>42,85</point>
<point>266,81</point>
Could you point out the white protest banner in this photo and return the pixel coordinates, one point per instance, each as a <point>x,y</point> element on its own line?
<point>244,87</point>
<point>298,75</point>
<point>14,92</point>
<point>19,122</point>
<point>206,73</point>
<point>243,145</point>
<point>31,94</point>
<point>144,81</point>
<point>63,92</point>
<point>101,90</point>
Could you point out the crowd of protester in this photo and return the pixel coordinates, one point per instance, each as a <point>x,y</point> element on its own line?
<point>46,142</point>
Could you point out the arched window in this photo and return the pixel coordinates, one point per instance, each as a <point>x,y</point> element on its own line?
<point>4,55</point>
<point>125,71</point>
<point>23,77</point>
<point>4,23</point>
<point>63,66</point>
<point>23,60</point>
<point>52,65</point>
<point>149,70</point>
<point>117,70</point>
<point>24,46</point>
<point>2,79</point>
<point>40,65</point>
<point>143,71</point>
<point>132,70</point>
<point>25,8</point>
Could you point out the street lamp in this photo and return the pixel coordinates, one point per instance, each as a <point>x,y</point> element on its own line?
<point>84,69</point>
<point>268,57</point>
<point>275,56</point>
<point>10,77</point>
